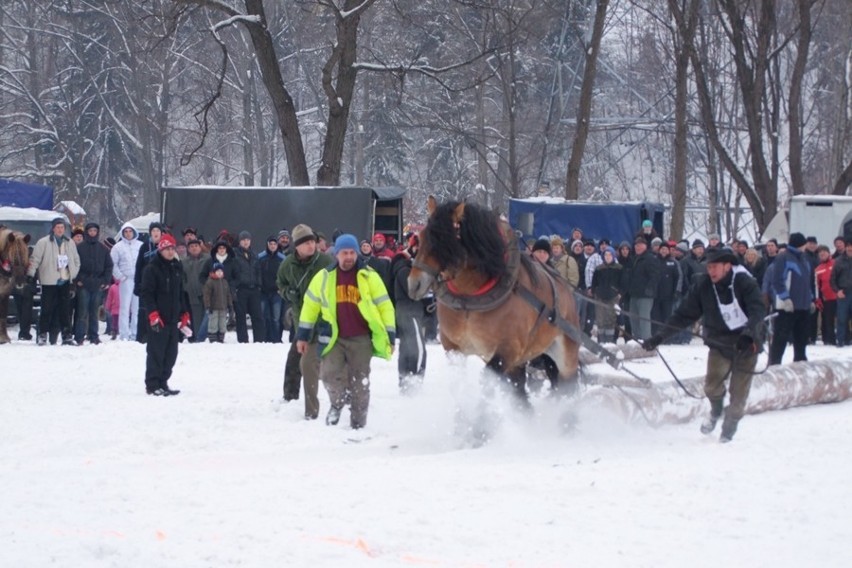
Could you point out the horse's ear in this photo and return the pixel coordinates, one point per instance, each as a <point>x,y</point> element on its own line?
<point>10,237</point>
<point>458,213</point>
<point>27,238</point>
<point>431,204</point>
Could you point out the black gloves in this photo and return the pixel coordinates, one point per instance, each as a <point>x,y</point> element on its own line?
<point>652,342</point>
<point>745,344</point>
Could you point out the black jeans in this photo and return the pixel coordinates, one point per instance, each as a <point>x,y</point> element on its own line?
<point>162,349</point>
<point>55,299</point>
<point>788,324</point>
<point>248,303</point>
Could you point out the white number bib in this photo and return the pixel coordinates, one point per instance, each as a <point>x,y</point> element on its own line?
<point>62,261</point>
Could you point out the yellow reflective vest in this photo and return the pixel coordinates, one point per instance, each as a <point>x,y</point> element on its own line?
<point>375,307</point>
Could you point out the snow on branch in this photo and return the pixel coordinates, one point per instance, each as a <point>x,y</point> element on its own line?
<point>244,18</point>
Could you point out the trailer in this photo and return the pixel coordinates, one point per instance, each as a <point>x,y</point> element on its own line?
<point>263,211</point>
<point>25,195</point>
<point>822,216</point>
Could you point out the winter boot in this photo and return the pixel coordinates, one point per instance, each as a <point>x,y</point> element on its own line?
<point>42,339</point>
<point>333,416</point>
<point>221,337</point>
<point>213,338</point>
<point>709,424</point>
<point>729,428</point>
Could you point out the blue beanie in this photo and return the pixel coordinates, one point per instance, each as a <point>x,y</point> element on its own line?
<point>346,241</point>
<point>647,223</point>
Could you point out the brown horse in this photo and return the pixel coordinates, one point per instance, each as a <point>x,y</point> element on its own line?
<point>14,260</point>
<point>487,292</point>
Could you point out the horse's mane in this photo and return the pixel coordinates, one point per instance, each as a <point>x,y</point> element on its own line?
<point>478,242</point>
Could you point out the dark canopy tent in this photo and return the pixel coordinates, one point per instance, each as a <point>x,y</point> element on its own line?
<point>263,211</point>
<point>615,221</point>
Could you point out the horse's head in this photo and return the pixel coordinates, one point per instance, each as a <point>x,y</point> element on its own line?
<point>458,239</point>
<point>14,256</point>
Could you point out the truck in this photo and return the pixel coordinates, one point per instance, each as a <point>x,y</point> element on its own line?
<point>539,216</point>
<point>263,211</point>
<point>822,216</point>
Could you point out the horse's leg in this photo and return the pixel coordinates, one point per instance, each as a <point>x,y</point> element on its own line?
<point>4,311</point>
<point>564,379</point>
<point>515,377</point>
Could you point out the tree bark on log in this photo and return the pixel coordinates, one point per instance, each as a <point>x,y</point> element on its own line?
<point>630,350</point>
<point>780,387</point>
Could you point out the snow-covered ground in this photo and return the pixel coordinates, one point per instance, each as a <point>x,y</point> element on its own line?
<point>96,473</point>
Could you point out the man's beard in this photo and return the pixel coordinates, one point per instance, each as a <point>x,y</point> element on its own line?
<point>347,265</point>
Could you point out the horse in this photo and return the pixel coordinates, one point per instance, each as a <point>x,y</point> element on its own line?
<point>14,261</point>
<point>494,301</point>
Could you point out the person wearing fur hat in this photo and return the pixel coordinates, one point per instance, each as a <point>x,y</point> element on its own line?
<point>147,253</point>
<point>359,324</point>
<point>294,276</point>
<point>162,292</point>
<point>791,284</point>
<point>92,282</point>
<point>563,262</point>
<point>727,299</point>
<point>56,262</point>
<point>218,303</point>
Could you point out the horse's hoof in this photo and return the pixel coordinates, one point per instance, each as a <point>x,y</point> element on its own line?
<point>4,339</point>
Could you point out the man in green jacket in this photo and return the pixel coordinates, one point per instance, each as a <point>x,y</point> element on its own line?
<point>294,275</point>
<point>359,322</point>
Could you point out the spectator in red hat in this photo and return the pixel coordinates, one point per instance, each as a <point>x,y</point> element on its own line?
<point>380,248</point>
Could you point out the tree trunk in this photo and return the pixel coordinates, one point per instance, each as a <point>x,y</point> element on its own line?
<point>780,387</point>
<point>338,91</point>
<point>572,181</point>
<point>282,102</point>
<point>795,102</point>
<point>844,181</point>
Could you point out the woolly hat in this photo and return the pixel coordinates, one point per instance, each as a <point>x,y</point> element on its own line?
<point>301,234</point>
<point>272,239</point>
<point>575,243</point>
<point>809,240</point>
<point>611,251</point>
<point>542,244</point>
<point>797,240</point>
<point>664,244</point>
<point>624,244</point>
<point>166,241</point>
<point>368,243</point>
<point>346,241</point>
<point>697,243</point>
<point>217,266</point>
<point>378,237</point>
<point>57,221</point>
<point>722,254</point>
<point>245,235</point>
<point>192,230</point>
<point>283,233</point>
<point>714,237</point>
<point>92,224</point>
<point>646,224</point>
<point>640,240</point>
<point>657,241</point>
<point>155,225</point>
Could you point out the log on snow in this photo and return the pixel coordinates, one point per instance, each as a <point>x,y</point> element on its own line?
<point>630,350</point>
<point>779,387</point>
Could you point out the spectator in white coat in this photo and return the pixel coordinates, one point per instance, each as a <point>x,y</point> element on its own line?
<point>124,255</point>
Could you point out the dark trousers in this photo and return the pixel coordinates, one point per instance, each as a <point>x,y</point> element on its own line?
<point>142,323</point>
<point>55,300</point>
<point>661,311</point>
<point>24,303</point>
<point>412,344</point>
<point>829,317</point>
<point>88,303</point>
<point>248,303</point>
<point>789,324</point>
<point>844,314</point>
<point>270,305</point>
<point>162,349</point>
<point>292,373</point>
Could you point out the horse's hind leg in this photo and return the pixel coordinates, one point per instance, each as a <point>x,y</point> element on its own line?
<point>4,311</point>
<point>515,377</point>
<point>564,374</point>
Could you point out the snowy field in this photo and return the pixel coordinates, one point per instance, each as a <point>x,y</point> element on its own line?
<point>96,473</point>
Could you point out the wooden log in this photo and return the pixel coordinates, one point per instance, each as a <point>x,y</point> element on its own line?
<point>779,387</point>
<point>630,350</point>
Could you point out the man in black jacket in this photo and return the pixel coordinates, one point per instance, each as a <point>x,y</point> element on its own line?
<point>92,281</point>
<point>728,299</point>
<point>248,292</point>
<point>168,313</point>
<point>147,253</point>
<point>642,288</point>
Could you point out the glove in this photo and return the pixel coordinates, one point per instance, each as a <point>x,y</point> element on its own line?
<point>31,281</point>
<point>155,322</point>
<point>745,344</point>
<point>786,305</point>
<point>818,304</point>
<point>184,320</point>
<point>652,342</point>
